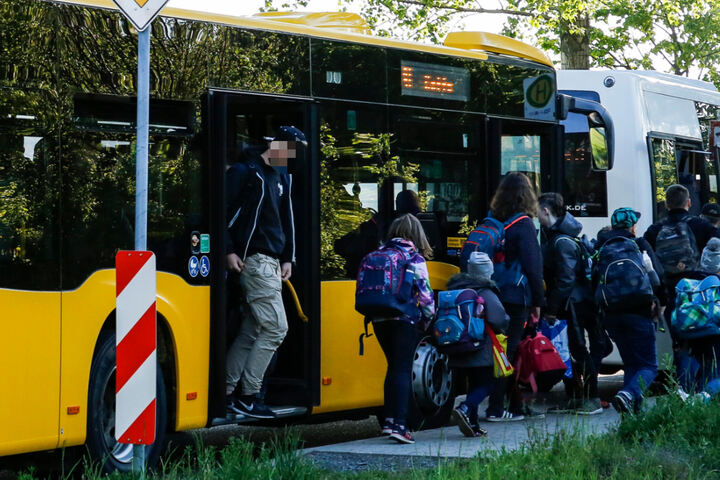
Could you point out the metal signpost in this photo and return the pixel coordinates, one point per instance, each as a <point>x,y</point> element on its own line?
<point>141,13</point>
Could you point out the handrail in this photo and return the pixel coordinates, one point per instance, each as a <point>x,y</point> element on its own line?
<point>294,294</point>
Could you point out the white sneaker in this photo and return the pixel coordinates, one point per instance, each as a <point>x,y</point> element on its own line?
<point>682,394</point>
<point>505,417</point>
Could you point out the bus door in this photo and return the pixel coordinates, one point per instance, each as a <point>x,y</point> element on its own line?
<point>682,161</point>
<point>237,121</point>
<point>526,147</point>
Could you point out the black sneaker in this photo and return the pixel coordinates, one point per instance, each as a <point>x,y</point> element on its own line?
<point>623,402</point>
<point>461,417</point>
<point>529,413</point>
<point>388,427</point>
<point>254,407</point>
<point>231,407</point>
<point>478,430</point>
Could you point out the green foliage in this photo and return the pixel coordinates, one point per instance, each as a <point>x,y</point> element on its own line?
<point>675,36</point>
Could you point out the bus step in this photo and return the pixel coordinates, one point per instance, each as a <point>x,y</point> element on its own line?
<point>281,412</point>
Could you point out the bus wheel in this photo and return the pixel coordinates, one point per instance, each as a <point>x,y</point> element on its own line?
<point>101,443</point>
<point>432,398</point>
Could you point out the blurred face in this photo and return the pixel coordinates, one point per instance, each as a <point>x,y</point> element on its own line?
<point>280,151</point>
<point>545,217</point>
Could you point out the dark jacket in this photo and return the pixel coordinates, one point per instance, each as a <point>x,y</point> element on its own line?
<point>565,273</point>
<point>521,244</point>
<point>494,314</point>
<point>246,195</point>
<point>644,246</point>
<point>701,228</point>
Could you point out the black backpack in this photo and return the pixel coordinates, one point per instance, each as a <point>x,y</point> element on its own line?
<point>622,280</point>
<point>586,254</point>
<point>676,248</point>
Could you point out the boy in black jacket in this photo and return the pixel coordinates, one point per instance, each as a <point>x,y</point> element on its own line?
<point>260,243</point>
<point>569,294</point>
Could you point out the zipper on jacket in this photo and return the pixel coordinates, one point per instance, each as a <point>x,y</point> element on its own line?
<point>257,214</point>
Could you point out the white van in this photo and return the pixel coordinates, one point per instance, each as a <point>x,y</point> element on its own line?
<point>664,127</point>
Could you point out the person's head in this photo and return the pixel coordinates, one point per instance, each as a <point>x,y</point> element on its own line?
<point>408,227</point>
<point>710,260</point>
<point>551,207</point>
<point>514,195</point>
<point>283,146</point>
<point>407,201</point>
<point>625,218</point>
<point>711,213</point>
<point>676,197</point>
<point>480,266</point>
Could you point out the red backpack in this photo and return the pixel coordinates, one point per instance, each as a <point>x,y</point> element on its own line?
<point>538,363</point>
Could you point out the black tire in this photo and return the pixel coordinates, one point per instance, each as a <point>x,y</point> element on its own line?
<point>432,397</point>
<point>100,442</point>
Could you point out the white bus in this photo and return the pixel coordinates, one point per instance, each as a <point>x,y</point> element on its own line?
<point>662,124</point>
<point>663,135</point>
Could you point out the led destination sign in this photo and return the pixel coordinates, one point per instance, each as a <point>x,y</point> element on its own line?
<point>434,81</point>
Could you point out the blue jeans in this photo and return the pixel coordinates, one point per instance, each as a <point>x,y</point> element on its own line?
<point>398,341</point>
<point>706,353</point>
<point>481,383</point>
<point>634,336</point>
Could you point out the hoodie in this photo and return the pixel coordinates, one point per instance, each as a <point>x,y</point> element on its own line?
<point>565,272</point>
<point>494,314</point>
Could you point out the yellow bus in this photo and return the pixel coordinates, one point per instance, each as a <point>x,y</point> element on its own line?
<point>381,116</point>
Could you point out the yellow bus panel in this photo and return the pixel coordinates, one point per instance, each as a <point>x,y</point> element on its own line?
<point>30,380</point>
<point>355,381</point>
<point>84,311</point>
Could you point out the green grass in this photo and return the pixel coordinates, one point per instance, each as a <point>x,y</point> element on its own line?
<point>672,440</point>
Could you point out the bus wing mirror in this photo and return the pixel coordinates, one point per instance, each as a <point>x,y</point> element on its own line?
<point>600,128</point>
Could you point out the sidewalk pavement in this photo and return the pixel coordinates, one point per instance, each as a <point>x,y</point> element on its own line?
<point>448,442</point>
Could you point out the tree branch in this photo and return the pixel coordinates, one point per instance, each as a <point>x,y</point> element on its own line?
<point>469,10</point>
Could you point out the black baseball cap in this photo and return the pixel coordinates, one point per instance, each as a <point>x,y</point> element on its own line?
<point>711,210</point>
<point>288,133</point>
<point>624,217</point>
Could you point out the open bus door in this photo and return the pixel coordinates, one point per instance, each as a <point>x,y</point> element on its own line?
<point>235,121</point>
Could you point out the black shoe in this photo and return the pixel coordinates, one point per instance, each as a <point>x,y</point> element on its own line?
<point>623,402</point>
<point>254,407</point>
<point>231,406</point>
<point>462,418</point>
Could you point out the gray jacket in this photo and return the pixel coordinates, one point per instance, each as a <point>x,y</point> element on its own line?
<point>494,314</point>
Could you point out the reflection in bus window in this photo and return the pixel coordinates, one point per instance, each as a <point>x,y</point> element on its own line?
<point>521,153</point>
<point>584,190</point>
<point>442,151</point>
<point>351,221</point>
<point>29,194</point>
<point>663,154</point>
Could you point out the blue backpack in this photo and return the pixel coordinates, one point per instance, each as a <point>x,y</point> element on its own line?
<point>622,280</point>
<point>384,285</point>
<point>459,325</point>
<point>697,308</point>
<point>489,237</point>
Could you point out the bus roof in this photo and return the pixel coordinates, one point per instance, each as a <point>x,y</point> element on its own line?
<point>351,27</point>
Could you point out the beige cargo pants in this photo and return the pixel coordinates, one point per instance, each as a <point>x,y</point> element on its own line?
<point>262,333</point>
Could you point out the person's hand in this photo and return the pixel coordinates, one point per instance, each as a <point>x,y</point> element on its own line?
<point>535,312</point>
<point>550,319</point>
<point>234,263</point>
<point>286,271</point>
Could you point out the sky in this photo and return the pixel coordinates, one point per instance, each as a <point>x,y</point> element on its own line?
<point>487,23</point>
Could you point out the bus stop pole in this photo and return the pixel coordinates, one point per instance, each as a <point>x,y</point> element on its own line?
<point>141,177</point>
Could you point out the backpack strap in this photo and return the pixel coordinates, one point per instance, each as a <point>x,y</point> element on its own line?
<point>513,220</point>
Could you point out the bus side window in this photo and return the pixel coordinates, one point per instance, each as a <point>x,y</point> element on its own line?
<point>665,166</point>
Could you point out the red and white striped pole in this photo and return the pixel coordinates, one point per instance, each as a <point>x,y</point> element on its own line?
<point>136,343</point>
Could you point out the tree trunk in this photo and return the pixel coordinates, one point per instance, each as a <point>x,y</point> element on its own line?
<point>575,47</point>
